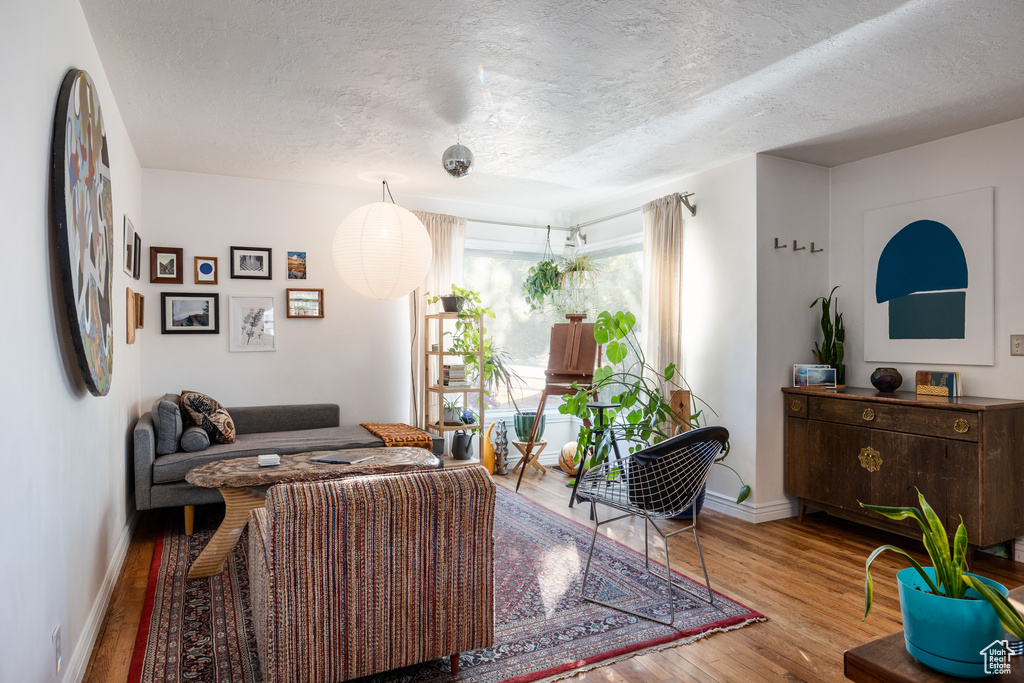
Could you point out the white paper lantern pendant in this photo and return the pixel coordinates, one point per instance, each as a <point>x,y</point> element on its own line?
<point>381,250</point>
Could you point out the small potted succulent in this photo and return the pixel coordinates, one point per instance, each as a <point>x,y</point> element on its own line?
<point>950,617</point>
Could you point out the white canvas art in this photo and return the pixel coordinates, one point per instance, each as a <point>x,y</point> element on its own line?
<point>928,281</point>
<point>252,323</point>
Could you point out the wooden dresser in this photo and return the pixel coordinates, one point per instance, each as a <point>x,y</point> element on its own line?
<point>965,454</point>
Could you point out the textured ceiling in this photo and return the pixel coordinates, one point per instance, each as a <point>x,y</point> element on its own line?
<point>564,102</point>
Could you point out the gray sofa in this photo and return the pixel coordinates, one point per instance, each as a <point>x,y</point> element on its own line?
<point>284,429</point>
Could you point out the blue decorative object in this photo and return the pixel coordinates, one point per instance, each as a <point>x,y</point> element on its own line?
<point>886,379</point>
<point>916,271</point>
<point>946,634</point>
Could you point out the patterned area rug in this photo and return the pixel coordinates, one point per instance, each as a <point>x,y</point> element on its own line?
<point>200,630</point>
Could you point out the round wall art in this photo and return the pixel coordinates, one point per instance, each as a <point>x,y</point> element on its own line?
<point>81,184</point>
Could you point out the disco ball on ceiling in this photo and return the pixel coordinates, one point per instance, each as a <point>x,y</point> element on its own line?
<point>457,160</point>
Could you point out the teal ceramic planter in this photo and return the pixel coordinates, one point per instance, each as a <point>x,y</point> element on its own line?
<point>523,423</point>
<point>945,634</point>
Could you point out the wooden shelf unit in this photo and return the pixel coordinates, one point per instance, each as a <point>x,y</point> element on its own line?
<point>434,390</point>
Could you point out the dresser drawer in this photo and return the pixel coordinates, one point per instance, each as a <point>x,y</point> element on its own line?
<point>946,424</point>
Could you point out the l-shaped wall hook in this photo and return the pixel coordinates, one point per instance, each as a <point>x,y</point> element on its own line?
<point>796,248</point>
<point>815,251</point>
<point>780,246</point>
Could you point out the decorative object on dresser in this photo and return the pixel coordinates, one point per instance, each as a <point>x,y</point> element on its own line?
<point>83,211</point>
<point>886,379</point>
<point>938,384</point>
<point>165,265</point>
<point>920,306</point>
<point>951,618</point>
<point>305,303</point>
<point>251,263</point>
<point>856,446</point>
<point>252,324</point>
<point>205,270</point>
<point>833,333</point>
<point>189,313</point>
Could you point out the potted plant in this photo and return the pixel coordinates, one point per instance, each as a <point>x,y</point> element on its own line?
<point>645,415</point>
<point>562,287</point>
<point>831,350</point>
<point>455,300</point>
<point>950,617</point>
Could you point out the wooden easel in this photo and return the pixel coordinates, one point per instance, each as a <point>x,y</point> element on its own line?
<point>572,356</point>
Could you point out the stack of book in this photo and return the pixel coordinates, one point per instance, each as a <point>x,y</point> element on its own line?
<point>455,376</point>
<point>939,384</point>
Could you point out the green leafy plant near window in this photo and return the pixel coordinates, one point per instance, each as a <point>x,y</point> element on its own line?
<point>951,578</point>
<point>542,280</point>
<point>497,370</point>
<point>563,285</point>
<point>644,416</point>
<point>831,350</point>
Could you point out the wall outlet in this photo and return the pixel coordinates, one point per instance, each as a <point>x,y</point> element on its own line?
<point>1017,344</point>
<point>56,647</point>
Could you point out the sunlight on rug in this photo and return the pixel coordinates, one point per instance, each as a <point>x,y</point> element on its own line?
<point>200,630</point>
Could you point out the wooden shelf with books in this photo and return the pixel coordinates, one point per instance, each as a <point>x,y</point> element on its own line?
<point>445,375</point>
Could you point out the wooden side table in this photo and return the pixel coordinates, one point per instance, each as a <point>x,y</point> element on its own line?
<point>531,458</point>
<point>886,660</point>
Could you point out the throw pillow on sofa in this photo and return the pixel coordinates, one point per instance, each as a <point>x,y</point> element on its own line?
<point>210,415</point>
<point>194,438</point>
<point>167,423</point>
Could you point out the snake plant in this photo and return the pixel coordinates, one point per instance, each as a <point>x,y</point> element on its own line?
<point>951,578</point>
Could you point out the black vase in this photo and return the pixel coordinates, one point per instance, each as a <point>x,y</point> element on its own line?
<point>886,379</point>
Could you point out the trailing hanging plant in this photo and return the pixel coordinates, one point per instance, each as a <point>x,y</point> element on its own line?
<point>542,280</point>
<point>831,350</point>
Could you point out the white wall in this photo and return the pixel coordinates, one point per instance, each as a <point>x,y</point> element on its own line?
<point>992,156</point>
<point>792,204</point>
<point>66,505</point>
<point>356,356</point>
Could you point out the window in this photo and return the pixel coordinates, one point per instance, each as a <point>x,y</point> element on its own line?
<point>523,335</point>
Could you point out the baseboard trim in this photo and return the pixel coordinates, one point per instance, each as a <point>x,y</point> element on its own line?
<point>748,512</point>
<point>78,663</point>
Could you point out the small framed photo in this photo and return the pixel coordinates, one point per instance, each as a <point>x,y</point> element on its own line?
<point>137,267</point>
<point>165,266</point>
<point>130,315</point>
<point>197,313</point>
<point>296,265</point>
<point>140,310</point>
<point>251,263</point>
<point>128,256</point>
<point>206,270</point>
<point>814,376</point>
<point>305,303</point>
<point>252,323</point>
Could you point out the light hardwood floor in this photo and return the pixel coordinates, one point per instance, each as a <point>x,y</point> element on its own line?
<point>808,579</point>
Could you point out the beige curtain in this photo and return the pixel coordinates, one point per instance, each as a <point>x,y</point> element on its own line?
<point>447,241</point>
<point>663,282</point>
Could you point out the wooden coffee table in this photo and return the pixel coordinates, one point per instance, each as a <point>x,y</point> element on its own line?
<point>886,660</point>
<point>243,483</point>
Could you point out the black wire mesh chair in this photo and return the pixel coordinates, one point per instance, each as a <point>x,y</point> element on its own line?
<point>655,483</point>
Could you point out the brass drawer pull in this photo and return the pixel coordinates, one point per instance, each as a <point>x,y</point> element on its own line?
<point>961,426</point>
<point>868,414</point>
<point>796,406</point>
<point>870,459</point>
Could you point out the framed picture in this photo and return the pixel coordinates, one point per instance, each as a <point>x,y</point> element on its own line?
<point>165,266</point>
<point>130,315</point>
<point>305,303</point>
<point>252,323</point>
<point>137,267</point>
<point>296,265</point>
<point>206,270</point>
<point>128,256</point>
<point>140,306</point>
<point>197,313</point>
<point>814,376</point>
<point>251,263</point>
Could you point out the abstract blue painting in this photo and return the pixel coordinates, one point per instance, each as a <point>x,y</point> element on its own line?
<point>928,281</point>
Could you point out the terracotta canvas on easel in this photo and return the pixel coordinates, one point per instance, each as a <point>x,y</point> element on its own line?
<point>572,356</point>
